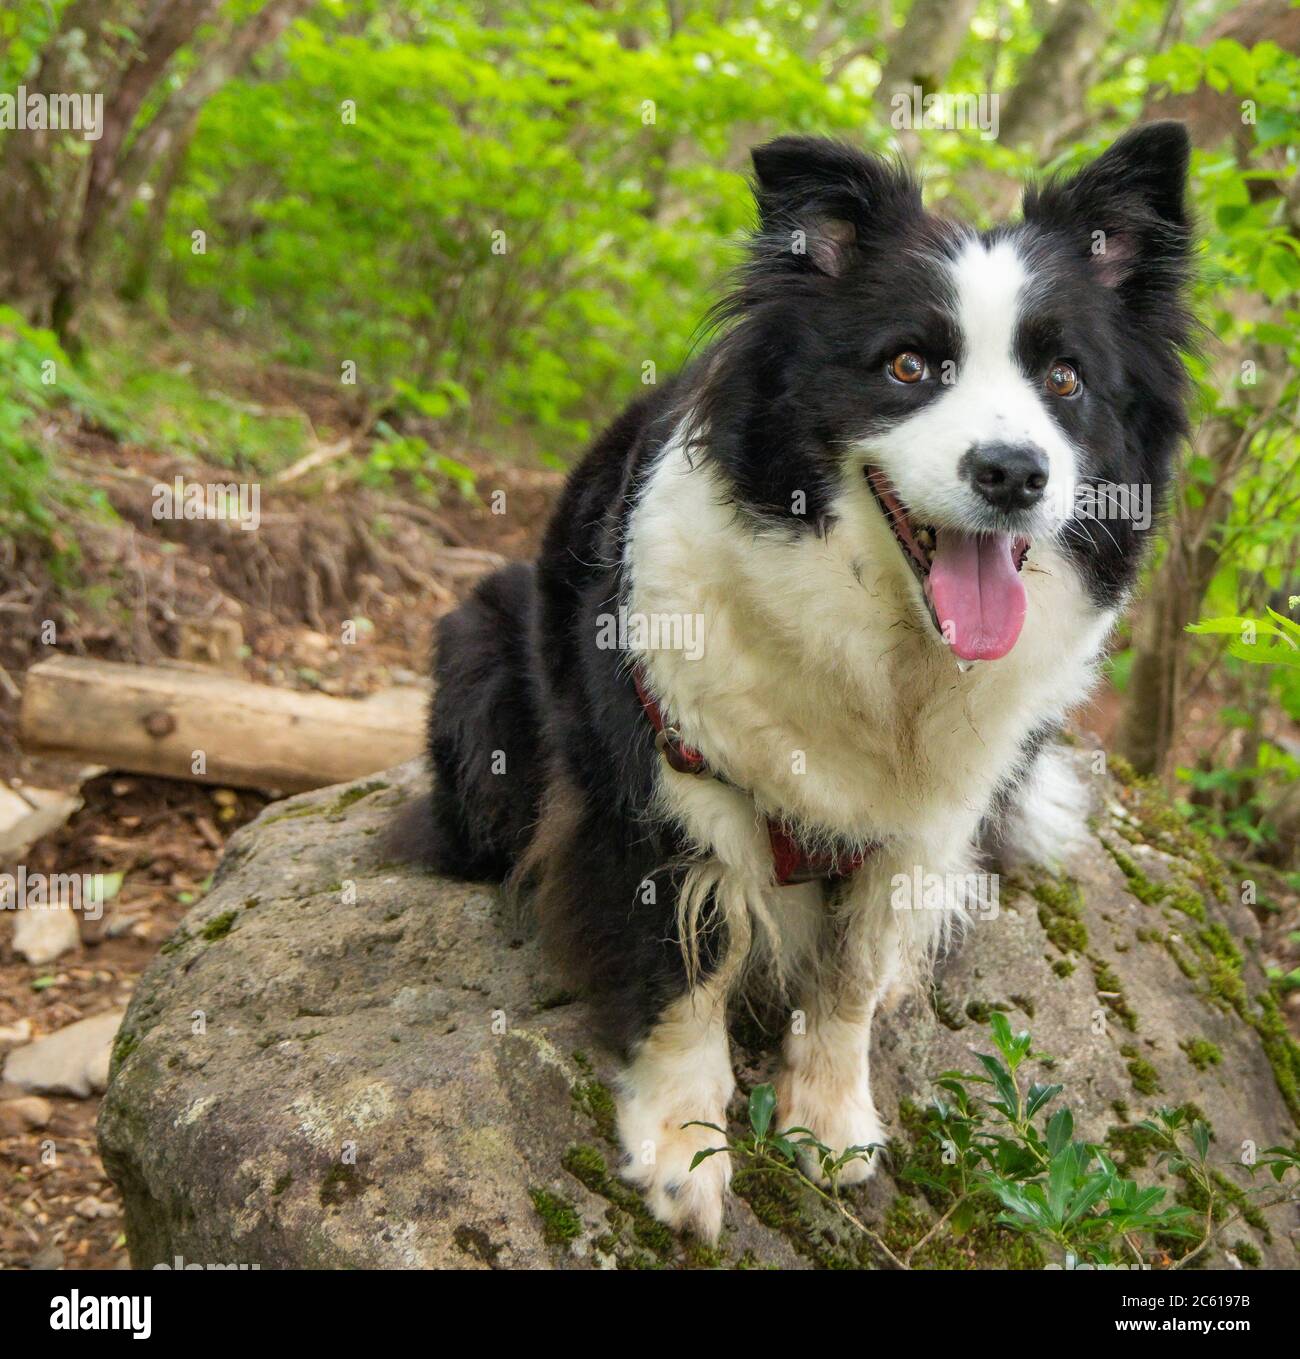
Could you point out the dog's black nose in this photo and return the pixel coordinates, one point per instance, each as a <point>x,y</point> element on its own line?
<point>1009,476</point>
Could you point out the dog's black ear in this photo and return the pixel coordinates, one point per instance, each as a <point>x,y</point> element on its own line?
<point>818,199</point>
<point>1127,211</point>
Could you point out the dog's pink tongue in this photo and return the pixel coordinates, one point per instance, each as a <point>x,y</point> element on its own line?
<point>977,593</point>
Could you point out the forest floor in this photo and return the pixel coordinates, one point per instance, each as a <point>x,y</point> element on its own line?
<point>326,553</point>
<point>329,550</point>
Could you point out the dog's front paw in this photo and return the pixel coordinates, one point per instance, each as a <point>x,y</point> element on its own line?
<point>657,1159</point>
<point>839,1120</point>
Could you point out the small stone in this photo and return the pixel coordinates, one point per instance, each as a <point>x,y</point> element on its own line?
<point>18,1116</point>
<point>91,1208</point>
<point>41,936</point>
<point>73,1061</point>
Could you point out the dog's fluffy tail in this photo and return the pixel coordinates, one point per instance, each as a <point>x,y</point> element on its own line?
<point>484,731</point>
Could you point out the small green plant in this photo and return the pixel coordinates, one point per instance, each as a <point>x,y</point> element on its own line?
<point>408,457</point>
<point>1283,650</point>
<point>36,377</point>
<point>1067,1195</point>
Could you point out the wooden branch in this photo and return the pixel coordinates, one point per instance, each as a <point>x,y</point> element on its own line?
<point>317,458</point>
<point>206,727</point>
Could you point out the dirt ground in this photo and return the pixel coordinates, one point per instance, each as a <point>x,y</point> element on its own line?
<point>319,558</point>
<point>325,553</point>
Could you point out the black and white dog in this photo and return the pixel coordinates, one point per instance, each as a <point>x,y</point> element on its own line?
<point>807,617</point>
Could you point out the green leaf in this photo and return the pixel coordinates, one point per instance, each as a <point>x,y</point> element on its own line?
<point>1040,1095</point>
<point>762,1105</point>
<point>1060,1129</point>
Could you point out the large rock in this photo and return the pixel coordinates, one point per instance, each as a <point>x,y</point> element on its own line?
<point>340,1061</point>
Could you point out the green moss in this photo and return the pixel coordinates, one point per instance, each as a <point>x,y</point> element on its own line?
<point>973,1239</point>
<point>1182,960</point>
<point>1281,1049</point>
<point>1228,1197</point>
<point>560,1223</point>
<point>1222,964</point>
<point>176,942</point>
<point>1063,968</point>
<point>981,1010</point>
<point>123,1047</point>
<point>1247,1254</point>
<point>1025,1003</point>
<point>1201,1053</point>
<point>1132,1146</point>
<point>1060,913</point>
<point>219,926</point>
<point>1160,825</point>
<point>1111,994</point>
<point>1145,1078</point>
<point>341,1183</point>
<point>944,1010</point>
<point>1179,893</point>
<point>594,1098</point>
<point>350,795</point>
<point>293,814</point>
<point>627,1212</point>
<point>281,1184</point>
<point>786,1205</point>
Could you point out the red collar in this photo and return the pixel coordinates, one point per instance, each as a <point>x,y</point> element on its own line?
<point>791,863</point>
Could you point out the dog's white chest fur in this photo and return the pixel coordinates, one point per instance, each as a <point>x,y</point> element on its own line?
<point>821,688</point>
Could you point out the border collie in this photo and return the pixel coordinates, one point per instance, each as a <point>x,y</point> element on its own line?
<point>806,620</point>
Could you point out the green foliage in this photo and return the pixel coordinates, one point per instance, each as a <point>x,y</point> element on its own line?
<point>36,379</point>
<point>991,1135</point>
<point>491,222</point>
<point>1284,651</point>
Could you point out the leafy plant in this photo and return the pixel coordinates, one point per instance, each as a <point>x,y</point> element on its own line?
<point>1066,1194</point>
<point>36,378</point>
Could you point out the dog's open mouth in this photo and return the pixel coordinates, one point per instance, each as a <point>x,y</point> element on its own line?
<point>971,581</point>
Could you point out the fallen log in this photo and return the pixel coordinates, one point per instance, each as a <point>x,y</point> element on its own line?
<point>204,726</point>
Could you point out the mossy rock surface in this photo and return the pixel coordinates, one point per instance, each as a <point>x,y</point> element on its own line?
<point>342,1061</point>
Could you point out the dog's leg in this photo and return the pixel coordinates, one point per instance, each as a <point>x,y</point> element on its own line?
<point>825,1083</point>
<point>680,1072</point>
<point>868,952</point>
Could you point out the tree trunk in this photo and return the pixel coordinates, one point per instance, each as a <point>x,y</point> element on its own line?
<point>42,173</point>
<point>924,52</point>
<point>1050,92</point>
<point>55,203</point>
<point>1161,647</point>
<point>161,141</point>
<point>143,249</point>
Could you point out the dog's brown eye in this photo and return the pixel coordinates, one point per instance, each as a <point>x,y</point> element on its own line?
<point>1062,380</point>
<point>907,367</point>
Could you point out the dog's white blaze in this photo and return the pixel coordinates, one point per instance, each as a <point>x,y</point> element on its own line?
<point>988,400</point>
